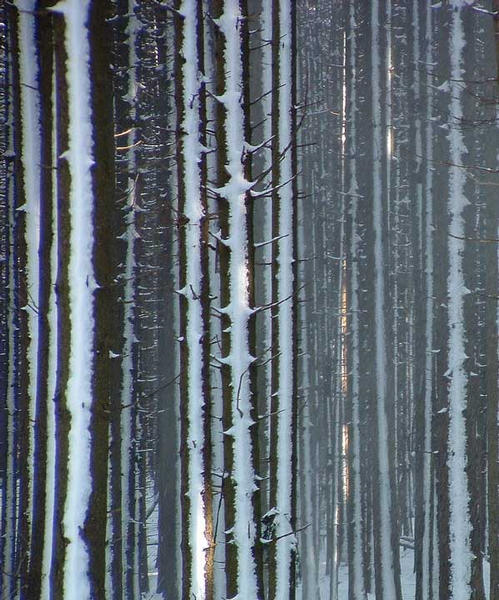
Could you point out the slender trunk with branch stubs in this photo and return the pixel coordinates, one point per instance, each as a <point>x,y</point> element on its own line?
<point>428,571</point>
<point>79,303</point>
<point>243,553</point>
<point>387,570</point>
<point>197,545</point>
<point>43,490</point>
<point>9,487</point>
<point>357,590</point>
<point>283,426</point>
<point>29,195</point>
<point>459,519</point>
<point>127,559</point>
<point>24,234</point>
<point>107,257</point>
<point>86,295</point>
<point>50,201</point>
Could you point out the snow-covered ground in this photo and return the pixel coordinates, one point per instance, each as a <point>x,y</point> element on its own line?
<point>407,574</point>
<point>408,578</point>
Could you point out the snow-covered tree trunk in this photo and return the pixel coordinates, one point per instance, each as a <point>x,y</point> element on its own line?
<point>357,588</point>
<point>9,487</point>
<point>493,402</point>
<point>49,197</point>
<point>428,571</point>
<point>386,562</point>
<point>122,556</point>
<point>128,413</point>
<point>283,407</point>
<point>85,294</point>
<point>459,518</point>
<point>261,97</point>
<point>43,490</point>
<point>78,300</point>
<point>197,543</point>
<point>26,105</point>
<point>242,549</point>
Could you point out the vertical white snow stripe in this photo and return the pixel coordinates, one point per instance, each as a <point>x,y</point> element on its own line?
<point>30,160</point>
<point>9,512</point>
<point>81,286</point>
<point>357,543</point>
<point>193,210</point>
<point>428,267</point>
<point>51,377</point>
<point>286,542</point>
<point>128,509</point>
<point>459,518</point>
<point>239,310</point>
<point>387,566</point>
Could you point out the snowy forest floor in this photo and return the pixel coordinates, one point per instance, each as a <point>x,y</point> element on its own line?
<point>408,578</point>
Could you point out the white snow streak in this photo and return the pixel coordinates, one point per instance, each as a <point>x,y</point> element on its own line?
<point>428,267</point>
<point>81,285</point>
<point>128,508</point>
<point>30,159</point>
<point>459,518</point>
<point>193,210</point>
<point>51,377</point>
<point>239,311</point>
<point>357,549</point>
<point>285,545</point>
<point>387,559</point>
<point>9,502</point>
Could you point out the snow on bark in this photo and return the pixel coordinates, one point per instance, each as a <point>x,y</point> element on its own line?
<point>128,500</point>
<point>30,164</point>
<point>81,286</point>
<point>459,518</point>
<point>357,578</point>
<point>50,484</point>
<point>285,285</point>
<point>238,310</point>
<point>266,251</point>
<point>9,487</point>
<point>385,498</point>
<point>428,268</point>
<point>194,328</point>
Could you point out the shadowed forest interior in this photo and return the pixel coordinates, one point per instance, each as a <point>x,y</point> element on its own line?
<point>248,300</point>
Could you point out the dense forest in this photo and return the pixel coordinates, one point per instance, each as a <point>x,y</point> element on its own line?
<point>248,300</point>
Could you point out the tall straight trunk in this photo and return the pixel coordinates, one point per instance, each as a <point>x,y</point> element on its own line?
<point>80,300</point>
<point>197,543</point>
<point>427,573</point>
<point>9,487</point>
<point>308,584</point>
<point>168,472</point>
<point>283,432</point>
<point>439,409</point>
<point>24,108</point>
<point>459,517</point>
<point>106,256</point>
<point>52,316</point>
<point>356,582</point>
<point>492,319</point>
<point>61,288</point>
<point>82,456</point>
<point>29,203</point>
<point>242,549</point>
<point>261,97</point>
<point>41,539</point>
<point>386,537</point>
<point>128,567</point>
<point>4,221</point>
